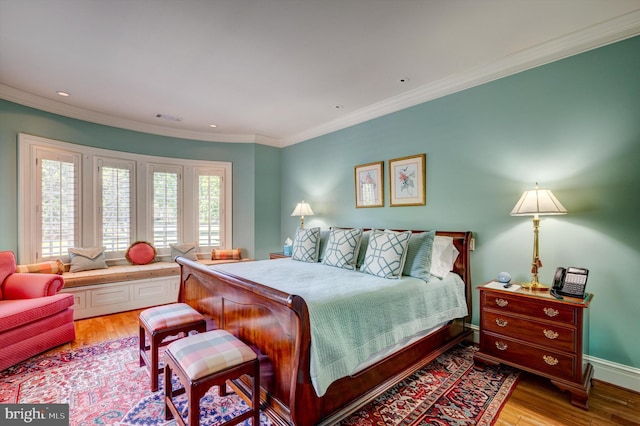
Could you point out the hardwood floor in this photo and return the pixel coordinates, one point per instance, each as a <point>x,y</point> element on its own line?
<point>534,401</point>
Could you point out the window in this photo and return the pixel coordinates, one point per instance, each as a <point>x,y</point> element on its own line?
<point>78,196</point>
<point>115,204</point>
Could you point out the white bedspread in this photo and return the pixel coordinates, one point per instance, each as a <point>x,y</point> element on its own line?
<point>354,315</point>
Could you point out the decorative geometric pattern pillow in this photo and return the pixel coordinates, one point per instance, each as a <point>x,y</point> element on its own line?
<point>386,254</point>
<point>342,248</point>
<point>305,245</point>
<point>418,262</point>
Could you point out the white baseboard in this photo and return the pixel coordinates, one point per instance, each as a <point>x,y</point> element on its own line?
<point>606,371</point>
<point>614,373</point>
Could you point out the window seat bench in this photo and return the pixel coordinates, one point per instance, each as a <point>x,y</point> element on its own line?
<point>122,288</point>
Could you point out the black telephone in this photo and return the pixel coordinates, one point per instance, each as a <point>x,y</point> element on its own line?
<point>570,282</point>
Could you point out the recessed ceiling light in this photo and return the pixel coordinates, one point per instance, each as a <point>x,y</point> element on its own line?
<point>213,126</point>
<point>169,117</point>
<point>61,93</point>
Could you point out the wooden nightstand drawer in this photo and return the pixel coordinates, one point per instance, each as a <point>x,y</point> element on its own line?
<point>539,309</point>
<point>551,363</point>
<point>553,336</point>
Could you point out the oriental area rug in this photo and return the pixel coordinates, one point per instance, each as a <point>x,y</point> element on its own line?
<point>104,385</point>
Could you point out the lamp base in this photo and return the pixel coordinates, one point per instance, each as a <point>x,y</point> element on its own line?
<point>535,286</point>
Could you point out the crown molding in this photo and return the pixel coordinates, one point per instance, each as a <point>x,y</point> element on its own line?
<point>611,31</point>
<point>55,107</point>
<point>599,35</point>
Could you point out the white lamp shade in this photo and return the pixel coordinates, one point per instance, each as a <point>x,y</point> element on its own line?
<point>302,209</point>
<point>538,202</point>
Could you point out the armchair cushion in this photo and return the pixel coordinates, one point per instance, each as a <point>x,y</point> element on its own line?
<point>29,286</point>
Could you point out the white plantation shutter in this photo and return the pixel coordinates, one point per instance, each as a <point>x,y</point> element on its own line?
<point>210,211</point>
<point>57,202</point>
<point>167,198</point>
<point>116,203</point>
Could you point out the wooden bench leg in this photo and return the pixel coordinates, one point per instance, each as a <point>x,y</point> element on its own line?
<point>142,344</point>
<point>168,411</point>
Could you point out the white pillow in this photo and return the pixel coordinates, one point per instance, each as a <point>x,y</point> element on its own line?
<point>443,256</point>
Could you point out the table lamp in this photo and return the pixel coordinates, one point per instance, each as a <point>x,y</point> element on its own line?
<point>302,209</point>
<point>537,202</point>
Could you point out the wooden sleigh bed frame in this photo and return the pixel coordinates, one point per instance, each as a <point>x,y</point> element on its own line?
<point>276,325</point>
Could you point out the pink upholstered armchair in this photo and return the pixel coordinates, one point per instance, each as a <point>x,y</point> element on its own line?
<point>33,316</point>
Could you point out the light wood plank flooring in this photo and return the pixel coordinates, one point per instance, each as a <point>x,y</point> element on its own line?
<point>534,401</point>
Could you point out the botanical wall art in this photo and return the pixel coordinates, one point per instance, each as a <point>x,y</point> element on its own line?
<point>369,185</point>
<point>407,181</point>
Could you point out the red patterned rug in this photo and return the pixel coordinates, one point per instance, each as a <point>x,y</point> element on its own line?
<point>103,384</point>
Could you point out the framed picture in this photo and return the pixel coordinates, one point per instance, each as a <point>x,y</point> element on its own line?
<point>369,182</point>
<point>407,181</point>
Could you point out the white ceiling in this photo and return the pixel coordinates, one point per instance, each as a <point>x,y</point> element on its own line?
<point>273,71</point>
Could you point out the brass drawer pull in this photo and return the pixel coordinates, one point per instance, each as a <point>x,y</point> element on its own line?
<point>550,312</point>
<point>502,303</point>
<point>501,346</point>
<point>501,322</point>
<point>550,360</point>
<point>550,334</point>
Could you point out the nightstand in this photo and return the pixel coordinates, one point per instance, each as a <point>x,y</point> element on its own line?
<point>277,256</point>
<point>538,333</point>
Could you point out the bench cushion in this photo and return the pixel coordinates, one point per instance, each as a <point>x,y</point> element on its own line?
<point>120,273</point>
<point>165,316</point>
<point>207,353</point>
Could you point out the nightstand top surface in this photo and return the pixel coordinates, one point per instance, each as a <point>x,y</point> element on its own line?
<point>544,295</point>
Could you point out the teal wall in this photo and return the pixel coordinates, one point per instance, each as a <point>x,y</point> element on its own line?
<point>573,125</point>
<point>249,230</point>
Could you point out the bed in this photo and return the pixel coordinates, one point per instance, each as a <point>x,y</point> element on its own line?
<point>276,322</point>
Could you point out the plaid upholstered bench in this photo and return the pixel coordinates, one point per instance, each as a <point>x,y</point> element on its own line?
<point>160,322</point>
<point>202,361</point>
